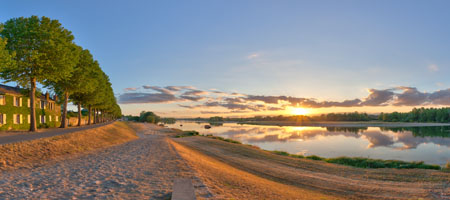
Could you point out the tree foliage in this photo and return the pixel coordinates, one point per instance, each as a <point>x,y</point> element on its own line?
<point>439,115</point>
<point>40,50</point>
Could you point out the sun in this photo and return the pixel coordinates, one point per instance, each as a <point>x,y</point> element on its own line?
<point>299,111</point>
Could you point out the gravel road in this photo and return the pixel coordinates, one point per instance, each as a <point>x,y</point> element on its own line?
<point>141,169</point>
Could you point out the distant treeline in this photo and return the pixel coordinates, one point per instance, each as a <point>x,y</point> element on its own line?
<point>440,115</point>
<point>354,116</point>
<point>150,117</point>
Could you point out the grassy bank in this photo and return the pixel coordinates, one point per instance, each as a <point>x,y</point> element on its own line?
<point>246,172</point>
<point>349,161</point>
<point>36,152</point>
<point>227,182</point>
<point>365,162</point>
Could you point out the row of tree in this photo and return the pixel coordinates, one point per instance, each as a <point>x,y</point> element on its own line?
<point>40,50</point>
<point>150,117</point>
<point>440,115</point>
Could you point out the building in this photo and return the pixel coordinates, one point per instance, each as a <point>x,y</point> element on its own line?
<point>15,109</point>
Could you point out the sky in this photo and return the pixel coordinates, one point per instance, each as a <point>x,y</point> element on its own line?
<point>244,58</point>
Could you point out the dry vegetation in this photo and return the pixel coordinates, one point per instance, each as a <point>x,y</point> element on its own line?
<point>243,172</point>
<point>33,153</point>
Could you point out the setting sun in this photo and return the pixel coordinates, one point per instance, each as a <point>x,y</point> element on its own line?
<point>299,111</point>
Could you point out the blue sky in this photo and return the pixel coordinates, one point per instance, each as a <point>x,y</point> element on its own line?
<point>327,50</point>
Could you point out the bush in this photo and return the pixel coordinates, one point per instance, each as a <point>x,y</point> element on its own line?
<point>187,134</point>
<point>377,163</point>
<point>314,157</point>
<point>223,139</point>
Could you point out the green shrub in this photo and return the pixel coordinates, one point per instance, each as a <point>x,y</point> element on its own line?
<point>223,139</point>
<point>187,134</point>
<point>314,157</point>
<point>377,163</point>
<point>283,153</point>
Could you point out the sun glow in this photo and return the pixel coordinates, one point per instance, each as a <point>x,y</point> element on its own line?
<point>299,111</point>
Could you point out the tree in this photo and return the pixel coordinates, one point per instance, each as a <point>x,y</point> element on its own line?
<point>65,87</point>
<point>82,82</point>
<point>5,57</point>
<point>42,50</point>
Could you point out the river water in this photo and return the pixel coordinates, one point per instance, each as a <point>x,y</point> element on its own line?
<point>428,144</point>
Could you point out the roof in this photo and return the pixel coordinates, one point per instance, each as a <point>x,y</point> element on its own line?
<point>5,89</point>
<point>11,90</point>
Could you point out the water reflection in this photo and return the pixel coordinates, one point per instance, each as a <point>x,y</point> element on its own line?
<point>431,144</point>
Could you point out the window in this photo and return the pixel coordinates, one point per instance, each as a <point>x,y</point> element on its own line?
<point>16,101</point>
<point>2,100</point>
<point>49,118</point>
<point>42,118</point>
<point>42,104</point>
<point>29,103</point>
<point>17,118</point>
<point>56,118</point>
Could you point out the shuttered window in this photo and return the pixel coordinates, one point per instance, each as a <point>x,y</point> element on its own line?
<point>2,100</point>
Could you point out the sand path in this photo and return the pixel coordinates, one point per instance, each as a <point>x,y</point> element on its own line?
<point>141,169</point>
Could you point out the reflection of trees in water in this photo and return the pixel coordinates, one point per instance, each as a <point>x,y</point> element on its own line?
<point>355,130</point>
<point>376,138</point>
<point>426,131</point>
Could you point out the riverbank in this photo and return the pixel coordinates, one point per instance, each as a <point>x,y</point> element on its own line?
<point>33,153</point>
<point>245,172</point>
<point>344,124</point>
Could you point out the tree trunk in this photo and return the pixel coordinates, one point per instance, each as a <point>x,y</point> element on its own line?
<point>33,126</point>
<point>89,115</point>
<point>95,117</point>
<point>64,114</point>
<point>79,114</point>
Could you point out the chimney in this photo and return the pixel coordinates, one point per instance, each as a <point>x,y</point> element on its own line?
<point>47,96</point>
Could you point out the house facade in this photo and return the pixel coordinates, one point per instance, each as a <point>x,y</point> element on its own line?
<point>15,109</point>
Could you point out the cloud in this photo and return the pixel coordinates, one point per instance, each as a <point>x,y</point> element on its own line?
<point>238,102</point>
<point>433,68</point>
<point>192,98</point>
<point>410,97</point>
<point>378,97</point>
<point>441,97</point>
<point>195,92</point>
<point>253,56</point>
<point>178,88</point>
<point>130,89</point>
<point>135,98</point>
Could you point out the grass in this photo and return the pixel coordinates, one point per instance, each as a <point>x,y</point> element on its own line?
<point>187,134</point>
<point>365,162</point>
<point>223,139</point>
<point>37,152</point>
